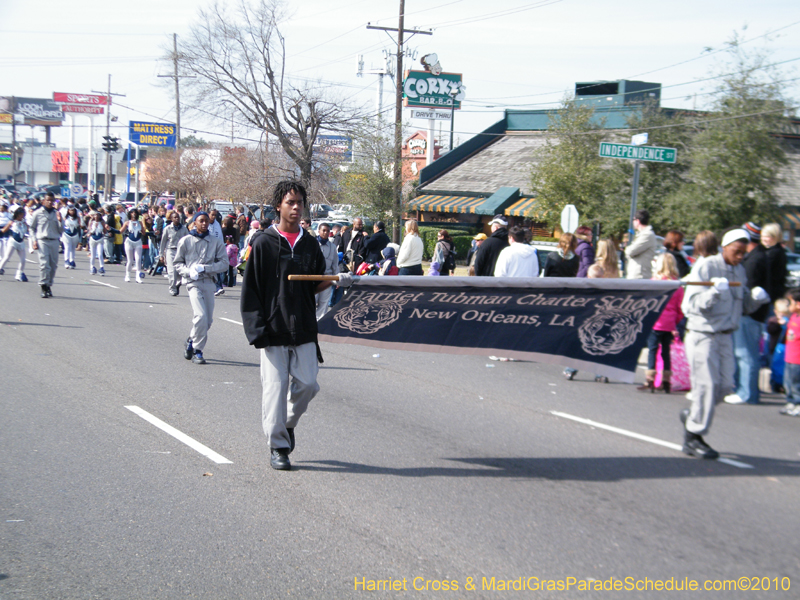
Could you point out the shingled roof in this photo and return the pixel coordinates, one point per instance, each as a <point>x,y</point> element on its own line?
<point>504,163</point>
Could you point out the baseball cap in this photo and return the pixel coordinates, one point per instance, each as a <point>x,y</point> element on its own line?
<point>500,220</point>
<point>479,237</point>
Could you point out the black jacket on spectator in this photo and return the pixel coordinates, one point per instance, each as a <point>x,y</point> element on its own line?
<point>755,265</point>
<point>372,249</point>
<point>683,267</point>
<point>489,250</point>
<point>776,266</point>
<point>558,266</point>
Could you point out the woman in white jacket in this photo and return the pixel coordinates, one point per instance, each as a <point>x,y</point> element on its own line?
<point>409,259</point>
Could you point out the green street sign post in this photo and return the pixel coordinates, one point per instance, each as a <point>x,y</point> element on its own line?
<point>631,152</point>
<point>637,153</point>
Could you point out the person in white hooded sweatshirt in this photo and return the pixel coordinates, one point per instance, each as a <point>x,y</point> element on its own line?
<point>518,259</point>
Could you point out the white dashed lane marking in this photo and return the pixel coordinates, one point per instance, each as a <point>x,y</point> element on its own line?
<point>643,438</point>
<point>180,436</point>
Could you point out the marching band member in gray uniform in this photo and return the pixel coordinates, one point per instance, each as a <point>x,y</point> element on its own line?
<point>173,234</point>
<point>47,229</point>
<point>199,258</point>
<point>713,314</point>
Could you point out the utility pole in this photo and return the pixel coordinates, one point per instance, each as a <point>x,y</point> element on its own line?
<point>398,119</point>
<point>177,78</point>
<point>107,182</point>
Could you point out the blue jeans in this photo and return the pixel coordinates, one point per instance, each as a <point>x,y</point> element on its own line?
<point>412,270</point>
<point>791,383</point>
<point>748,359</point>
<point>654,339</point>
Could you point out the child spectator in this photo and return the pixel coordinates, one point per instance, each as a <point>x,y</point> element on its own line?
<point>776,344</point>
<point>662,333</point>
<point>434,270</point>
<point>389,265</point>
<point>233,259</point>
<point>791,372</point>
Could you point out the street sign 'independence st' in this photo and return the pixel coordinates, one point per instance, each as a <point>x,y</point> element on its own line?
<point>631,152</point>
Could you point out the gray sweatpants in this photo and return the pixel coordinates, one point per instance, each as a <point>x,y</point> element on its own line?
<point>710,357</point>
<point>48,261</point>
<point>289,382</point>
<point>201,297</point>
<point>174,279</point>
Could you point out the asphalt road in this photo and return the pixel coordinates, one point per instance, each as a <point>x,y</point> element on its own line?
<point>408,465</point>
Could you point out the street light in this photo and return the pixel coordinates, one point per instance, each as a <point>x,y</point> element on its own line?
<point>453,93</point>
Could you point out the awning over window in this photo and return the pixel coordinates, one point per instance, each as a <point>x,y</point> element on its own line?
<point>791,219</point>
<point>524,207</point>
<point>451,204</point>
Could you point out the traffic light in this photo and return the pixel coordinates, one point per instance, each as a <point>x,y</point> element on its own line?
<point>114,144</point>
<point>108,146</point>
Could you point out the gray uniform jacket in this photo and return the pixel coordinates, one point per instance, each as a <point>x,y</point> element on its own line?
<point>207,251</point>
<point>331,254</point>
<point>171,237</point>
<point>640,254</point>
<point>707,309</point>
<point>45,225</point>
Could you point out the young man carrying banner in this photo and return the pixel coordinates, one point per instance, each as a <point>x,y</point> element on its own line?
<point>713,314</point>
<point>280,319</point>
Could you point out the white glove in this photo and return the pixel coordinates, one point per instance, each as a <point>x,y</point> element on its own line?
<point>200,268</point>
<point>759,294</point>
<point>193,274</point>
<point>345,280</point>
<point>720,283</point>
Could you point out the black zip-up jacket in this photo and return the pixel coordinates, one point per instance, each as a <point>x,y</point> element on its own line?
<point>276,311</point>
<point>488,252</point>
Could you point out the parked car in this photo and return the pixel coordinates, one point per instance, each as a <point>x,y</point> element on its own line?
<point>792,270</point>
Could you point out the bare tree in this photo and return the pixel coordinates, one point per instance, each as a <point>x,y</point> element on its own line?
<point>238,58</point>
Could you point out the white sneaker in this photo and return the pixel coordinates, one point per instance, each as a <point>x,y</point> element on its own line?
<point>127,278</point>
<point>734,399</point>
<point>138,280</point>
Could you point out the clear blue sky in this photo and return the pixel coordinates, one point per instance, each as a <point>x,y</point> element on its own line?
<point>512,53</point>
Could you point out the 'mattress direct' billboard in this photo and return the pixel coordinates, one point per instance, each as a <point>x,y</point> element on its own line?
<point>422,88</point>
<point>152,134</point>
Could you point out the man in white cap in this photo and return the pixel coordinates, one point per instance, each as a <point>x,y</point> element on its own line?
<point>713,313</point>
<point>489,251</point>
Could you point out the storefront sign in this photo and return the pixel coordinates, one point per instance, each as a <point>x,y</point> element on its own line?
<point>60,161</point>
<point>5,154</point>
<point>90,99</point>
<point>417,146</point>
<point>82,109</point>
<point>7,118</point>
<point>438,115</point>
<point>421,88</point>
<point>39,111</point>
<point>152,134</point>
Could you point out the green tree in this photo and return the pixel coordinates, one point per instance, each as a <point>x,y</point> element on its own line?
<point>569,169</point>
<point>735,156</point>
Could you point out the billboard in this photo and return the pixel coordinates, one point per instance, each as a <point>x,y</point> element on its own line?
<point>39,111</point>
<point>90,99</point>
<point>338,145</point>
<point>152,134</point>
<point>422,88</point>
<point>83,109</point>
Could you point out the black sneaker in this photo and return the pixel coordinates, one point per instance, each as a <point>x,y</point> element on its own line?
<point>188,351</point>
<point>198,358</point>
<point>290,431</point>
<point>44,291</point>
<point>49,292</point>
<point>695,445</point>
<point>279,459</point>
